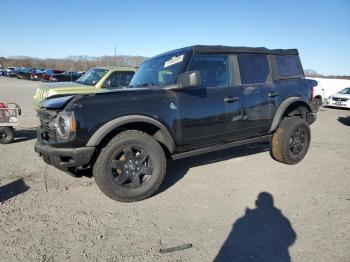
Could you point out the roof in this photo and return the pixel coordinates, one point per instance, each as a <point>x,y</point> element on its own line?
<point>242,49</point>
<point>217,49</point>
<point>117,68</point>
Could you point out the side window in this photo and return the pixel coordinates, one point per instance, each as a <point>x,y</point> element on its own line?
<point>125,78</point>
<point>288,65</point>
<point>118,79</point>
<point>111,81</point>
<point>214,69</point>
<point>254,69</point>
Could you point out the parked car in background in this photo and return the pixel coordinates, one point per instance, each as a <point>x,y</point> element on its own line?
<point>98,79</point>
<point>9,70</point>
<point>50,72</point>
<point>16,71</point>
<point>317,94</point>
<point>65,77</point>
<point>36,74</point>
<point>340,99</point>
<point>23,73</point>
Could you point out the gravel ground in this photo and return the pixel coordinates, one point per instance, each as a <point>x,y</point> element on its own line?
<point>208,201</point>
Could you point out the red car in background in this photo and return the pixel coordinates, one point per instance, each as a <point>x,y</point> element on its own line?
<point>36,74</point>
<point>50,72</point>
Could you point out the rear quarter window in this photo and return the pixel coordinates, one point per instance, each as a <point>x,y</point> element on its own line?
<point>254,69</point>
<point>288,66</point>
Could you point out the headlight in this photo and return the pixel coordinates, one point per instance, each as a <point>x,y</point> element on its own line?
<point>65,125</point>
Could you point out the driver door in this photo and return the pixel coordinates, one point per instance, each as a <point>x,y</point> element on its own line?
<point>210,112</point>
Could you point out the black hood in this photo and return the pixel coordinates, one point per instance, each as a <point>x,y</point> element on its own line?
<point>56,103</point>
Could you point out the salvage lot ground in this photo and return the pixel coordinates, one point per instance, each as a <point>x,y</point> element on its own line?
<point>46,215</point>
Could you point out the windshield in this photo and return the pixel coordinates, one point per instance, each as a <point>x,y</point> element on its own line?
<point>92,76</point>
<point>160,70</point>
<point>345,91</point>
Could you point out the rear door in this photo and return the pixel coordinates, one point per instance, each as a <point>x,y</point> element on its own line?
<point>289,79</point>
<point>211,112</point>
<point>257,92</point>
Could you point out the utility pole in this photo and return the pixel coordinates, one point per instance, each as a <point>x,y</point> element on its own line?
<point>115,55</point>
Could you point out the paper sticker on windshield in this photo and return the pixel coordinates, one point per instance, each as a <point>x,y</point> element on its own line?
<point>174,60</point>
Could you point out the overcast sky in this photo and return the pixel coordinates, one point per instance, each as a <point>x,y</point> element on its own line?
<point>319,29</point>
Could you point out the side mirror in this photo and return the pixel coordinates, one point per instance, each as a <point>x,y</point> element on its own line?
<point>189,79</point>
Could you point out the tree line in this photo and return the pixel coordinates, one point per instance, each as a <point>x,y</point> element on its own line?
<point>83,63</point>
<point>313,73</point>
<point>72,63</point>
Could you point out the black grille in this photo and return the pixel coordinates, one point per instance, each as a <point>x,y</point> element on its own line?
<point>340,99</point>
<point>47,130</point>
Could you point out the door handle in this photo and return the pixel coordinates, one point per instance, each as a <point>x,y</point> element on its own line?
<point>231,99</point>
<point>273,94</point>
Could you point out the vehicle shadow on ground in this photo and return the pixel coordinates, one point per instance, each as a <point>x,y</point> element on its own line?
<point>344,120</point>
<point>177,169</point>
<point>262,234</point>
<point>22,135</point>
<point>337,108</point>
<point>12,189</point>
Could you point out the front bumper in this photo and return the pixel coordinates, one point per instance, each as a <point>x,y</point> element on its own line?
<point>64,158</point>
<point>341,104</point>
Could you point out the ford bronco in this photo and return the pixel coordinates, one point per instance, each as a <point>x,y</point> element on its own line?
<point>179,104</point>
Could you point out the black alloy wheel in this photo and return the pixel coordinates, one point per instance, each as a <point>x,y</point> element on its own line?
<point>297,142</point>
<point>131,167</point>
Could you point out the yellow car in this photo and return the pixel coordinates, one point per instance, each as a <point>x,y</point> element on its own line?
<point>97,79</point>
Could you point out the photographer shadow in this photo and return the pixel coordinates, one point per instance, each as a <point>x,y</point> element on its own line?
<point>263,234</point>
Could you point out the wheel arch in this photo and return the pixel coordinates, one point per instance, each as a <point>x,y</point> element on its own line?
<point>146,124</point>
<point>292,105</point>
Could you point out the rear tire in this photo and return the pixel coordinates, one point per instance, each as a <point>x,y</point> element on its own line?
<point>6,135</point>
<point>131,167</point>
<point>291,140</point>
<point>316,104</point>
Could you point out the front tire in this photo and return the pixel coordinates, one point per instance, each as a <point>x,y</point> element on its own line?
<point>291,140</point>
<point>131,167</point>
<point>6,135</point>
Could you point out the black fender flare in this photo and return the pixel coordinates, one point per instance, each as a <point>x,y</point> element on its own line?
<point>283,107</point>
<point>162,135</point>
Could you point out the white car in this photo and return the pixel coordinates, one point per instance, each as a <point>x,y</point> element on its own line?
<point>340,99</point>
<point>9,70</point>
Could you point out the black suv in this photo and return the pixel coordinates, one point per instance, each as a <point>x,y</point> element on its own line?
<point>179,104</point>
